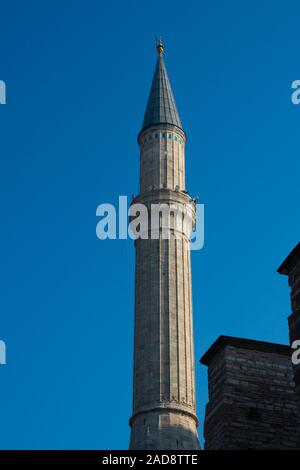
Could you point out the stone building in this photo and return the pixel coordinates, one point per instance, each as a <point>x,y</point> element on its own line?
<point>164,413</point>
<point>254,388</point>
<point>252,402</point>
<point>291,268</point>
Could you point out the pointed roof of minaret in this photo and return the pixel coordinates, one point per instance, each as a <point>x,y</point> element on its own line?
<point>161,106</point>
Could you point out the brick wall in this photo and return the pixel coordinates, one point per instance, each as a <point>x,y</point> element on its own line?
<point>252,402</point>
<point>291,268</point>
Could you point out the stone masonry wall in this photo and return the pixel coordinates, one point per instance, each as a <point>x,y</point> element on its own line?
<point>294,319</point>
<point>291,268</point>
<point>252,403</point>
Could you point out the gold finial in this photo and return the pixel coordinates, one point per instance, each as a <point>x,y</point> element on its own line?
<point>159,46</point>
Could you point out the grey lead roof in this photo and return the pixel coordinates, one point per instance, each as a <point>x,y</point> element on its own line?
<point>161,106</point>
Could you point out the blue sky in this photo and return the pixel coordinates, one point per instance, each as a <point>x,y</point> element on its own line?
<point>78,76</point>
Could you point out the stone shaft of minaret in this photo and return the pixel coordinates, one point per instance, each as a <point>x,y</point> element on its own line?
<point>164,413</point>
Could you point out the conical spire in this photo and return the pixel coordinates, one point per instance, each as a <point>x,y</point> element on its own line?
<point>161,106</point>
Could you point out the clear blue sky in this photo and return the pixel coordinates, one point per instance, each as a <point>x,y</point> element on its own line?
<point>78,75</point>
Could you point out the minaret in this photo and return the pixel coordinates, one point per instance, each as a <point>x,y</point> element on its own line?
<point>164,414</point>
